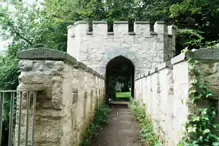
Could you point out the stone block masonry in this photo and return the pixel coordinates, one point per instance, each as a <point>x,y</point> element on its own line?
<point>165,91</point>
<point>69,92</point>
<point>144,47</point>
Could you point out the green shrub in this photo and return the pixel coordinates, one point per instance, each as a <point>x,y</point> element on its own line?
<point>147,134</point>
<point>100,118</point>
<point>201,128</point>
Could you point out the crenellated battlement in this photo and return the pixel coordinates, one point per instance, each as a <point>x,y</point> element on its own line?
<point>146,46</point>
<point>120,28</point>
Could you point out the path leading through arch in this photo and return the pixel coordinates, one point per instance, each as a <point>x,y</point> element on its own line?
<point>120,73</point>
<point>121,129</point>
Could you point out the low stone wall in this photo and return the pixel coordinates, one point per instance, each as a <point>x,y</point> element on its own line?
<point>165,91</point>
<point>68,94</point>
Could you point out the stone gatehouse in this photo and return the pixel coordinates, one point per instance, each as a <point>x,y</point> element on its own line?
<point>146,48</point>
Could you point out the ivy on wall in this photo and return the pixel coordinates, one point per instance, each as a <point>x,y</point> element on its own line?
<point>201,127</point>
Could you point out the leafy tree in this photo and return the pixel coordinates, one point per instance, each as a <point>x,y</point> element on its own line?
<point>199,15</point>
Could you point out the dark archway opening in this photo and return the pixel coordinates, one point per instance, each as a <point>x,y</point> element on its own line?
<point>119,84</point>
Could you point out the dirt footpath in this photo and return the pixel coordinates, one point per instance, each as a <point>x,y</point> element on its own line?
<point>121,130</point>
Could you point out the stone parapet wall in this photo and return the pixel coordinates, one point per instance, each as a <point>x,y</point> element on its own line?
<point>162,90</point>
<point>68,94</point>
<point>146,48</point>
<point>165,91</point>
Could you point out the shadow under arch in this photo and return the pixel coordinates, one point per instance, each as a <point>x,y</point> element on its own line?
<point>119,70</point>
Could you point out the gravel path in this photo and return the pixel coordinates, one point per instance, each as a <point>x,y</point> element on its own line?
<point>121,129</point>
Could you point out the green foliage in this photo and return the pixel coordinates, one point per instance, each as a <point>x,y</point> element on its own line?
<point>111,10</point>
<point>200,16</point>
<point>32,27</point>
<point>200,89</point>
<point>100,118</point>
<point>190,37</point>
<point>28,27</point>
<point>201,128</point>
<point>123,95</point>
<point>148,136</point>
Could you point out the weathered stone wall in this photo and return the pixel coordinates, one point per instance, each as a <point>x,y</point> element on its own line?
<point>146,49</point>
<point>68,94</point>
<point>165,92</point>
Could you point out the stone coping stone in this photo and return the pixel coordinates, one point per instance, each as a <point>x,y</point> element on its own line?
<point>82,66</point>
<point>70,26</point>
<point>49,54</point>
<point>164,65</point>
<point>80,22</point>
<point>210,54</point>
<point>154,70</point>
<point>118,22</point>
<point>142,22</point>
<point>160,22</point>
<point>46,54</point>
<point>96,73</point>
<point>90,70</point>
<point>205,54</point>
<point>140,77</point>
<point>137,78</point>
<point>148,73</point>
<point>99,22</point>
<point>179,58</point>
<point>121,22</point>
<point>143,76</point>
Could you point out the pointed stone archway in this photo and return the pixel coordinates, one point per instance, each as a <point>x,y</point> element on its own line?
<point>119,70</point>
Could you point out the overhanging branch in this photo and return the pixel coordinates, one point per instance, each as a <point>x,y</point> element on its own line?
<point>19,35</point>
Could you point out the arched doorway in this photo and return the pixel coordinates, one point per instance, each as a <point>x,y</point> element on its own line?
<point>119,84</point>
